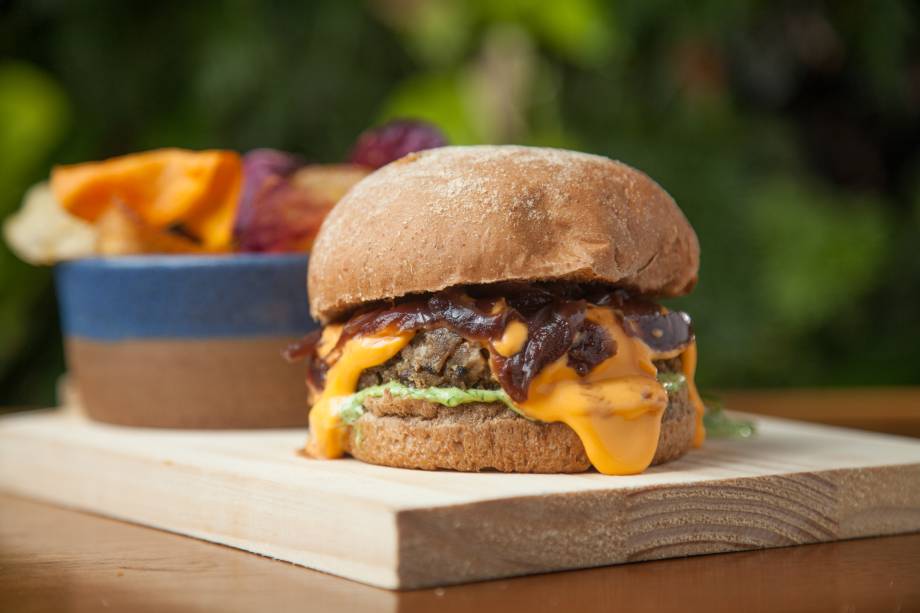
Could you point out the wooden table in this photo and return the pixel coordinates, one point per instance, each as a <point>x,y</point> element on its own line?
<point>54,559</point>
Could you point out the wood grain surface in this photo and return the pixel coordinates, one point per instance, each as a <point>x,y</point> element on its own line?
<point>792,484</point>
<point>53,559</point>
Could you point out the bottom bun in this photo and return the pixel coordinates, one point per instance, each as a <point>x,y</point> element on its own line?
<point>474,437</point>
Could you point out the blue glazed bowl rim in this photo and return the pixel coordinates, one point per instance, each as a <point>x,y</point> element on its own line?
<point>185,261</point>
<point>184,296</point>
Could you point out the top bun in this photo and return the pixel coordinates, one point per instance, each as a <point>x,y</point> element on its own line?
<point>475,215</point>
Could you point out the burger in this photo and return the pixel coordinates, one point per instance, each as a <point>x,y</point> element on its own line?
<point>494,308</point>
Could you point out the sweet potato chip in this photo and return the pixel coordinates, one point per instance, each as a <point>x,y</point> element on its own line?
<point>198,189</point>
<point>121,231</point>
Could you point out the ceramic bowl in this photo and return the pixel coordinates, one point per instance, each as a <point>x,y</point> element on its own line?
<point>186,341</point>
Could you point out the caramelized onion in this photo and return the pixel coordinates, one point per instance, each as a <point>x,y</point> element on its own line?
<point>553,313</point>
<point>591,347</point>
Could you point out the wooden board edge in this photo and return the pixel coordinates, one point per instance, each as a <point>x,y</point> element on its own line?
<point>528,535</point>
<point>206,505</point>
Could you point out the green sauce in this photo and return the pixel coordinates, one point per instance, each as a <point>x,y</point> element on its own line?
<point>352,408</point>
<point>672,381</point>
<point>718,423</point>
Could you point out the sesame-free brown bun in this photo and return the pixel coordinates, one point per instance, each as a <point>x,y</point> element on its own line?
<point>474,437</point>
<point>476,215</point>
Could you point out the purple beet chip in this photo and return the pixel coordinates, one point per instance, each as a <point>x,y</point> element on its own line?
<point>381,145</point>
<point>258,166</point>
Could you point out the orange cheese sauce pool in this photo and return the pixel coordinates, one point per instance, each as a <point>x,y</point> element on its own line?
<point>615,410</point>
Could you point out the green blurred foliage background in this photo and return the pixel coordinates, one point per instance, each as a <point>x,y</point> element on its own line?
<point>789,132</point>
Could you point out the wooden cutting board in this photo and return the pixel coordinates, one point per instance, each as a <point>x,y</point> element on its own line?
<point>791,484</point>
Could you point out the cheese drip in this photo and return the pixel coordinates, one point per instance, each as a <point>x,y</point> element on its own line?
<point>327,434</point>
<point>615,409</point>
<point>688,363</point>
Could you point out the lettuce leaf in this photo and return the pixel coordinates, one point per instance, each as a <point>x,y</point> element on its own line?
<point>720,425</point>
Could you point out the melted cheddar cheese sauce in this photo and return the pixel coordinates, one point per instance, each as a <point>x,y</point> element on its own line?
<point>512,339</point>
<point>688,362</point>
<point>615,409</point>
<point>327,434</point>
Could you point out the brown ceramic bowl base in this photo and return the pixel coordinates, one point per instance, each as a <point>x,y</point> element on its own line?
<point>206,383</point>
<point>182,341</point>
